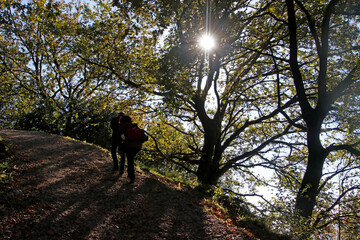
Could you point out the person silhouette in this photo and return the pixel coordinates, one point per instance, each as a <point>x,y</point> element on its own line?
<point>131,147</point>
<point>115,143</point>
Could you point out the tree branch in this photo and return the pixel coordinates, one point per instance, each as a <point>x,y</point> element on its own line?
<point>294,64</point>
<point>348,147</point>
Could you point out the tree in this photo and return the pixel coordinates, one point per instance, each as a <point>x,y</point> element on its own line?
<point>227,110</point>
<point>320,33</point>
<point>222,102</point>
<point>329,79</point>
<point>50,78</point>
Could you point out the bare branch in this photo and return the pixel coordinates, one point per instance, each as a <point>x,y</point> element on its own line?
<point>348,147</point>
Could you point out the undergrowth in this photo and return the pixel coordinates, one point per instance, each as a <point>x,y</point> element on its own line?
<point>6,165</point>
<point>230,210</point>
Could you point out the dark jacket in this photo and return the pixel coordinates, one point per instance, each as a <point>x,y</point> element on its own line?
<point>114,124</point>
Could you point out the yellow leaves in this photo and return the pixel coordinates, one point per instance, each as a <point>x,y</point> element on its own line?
<point>214,208</point>
<point>218,213</point>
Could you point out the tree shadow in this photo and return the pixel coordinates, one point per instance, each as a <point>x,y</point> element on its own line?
<point>159,212</point>
<point>71,194</point>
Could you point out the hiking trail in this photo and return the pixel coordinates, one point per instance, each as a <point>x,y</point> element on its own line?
<point>64,189</point>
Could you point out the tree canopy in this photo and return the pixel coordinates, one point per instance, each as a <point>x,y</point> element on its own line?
<point>274,104</point>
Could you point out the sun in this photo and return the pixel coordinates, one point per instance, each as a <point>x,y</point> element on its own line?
<point>207,42</point>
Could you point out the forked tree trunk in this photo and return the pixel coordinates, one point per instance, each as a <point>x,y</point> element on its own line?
<point>208,169</point>
<point>208,172</point>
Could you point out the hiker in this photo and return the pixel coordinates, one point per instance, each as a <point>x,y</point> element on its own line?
<point>131,146</point>
<point>115,143</point>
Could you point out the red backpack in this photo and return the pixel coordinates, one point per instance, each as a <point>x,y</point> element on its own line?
<point>133,132</point>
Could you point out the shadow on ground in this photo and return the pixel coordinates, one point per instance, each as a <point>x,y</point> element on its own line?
<point>64,190</point>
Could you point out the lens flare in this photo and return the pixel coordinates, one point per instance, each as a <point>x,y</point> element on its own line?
<point>207,42</point>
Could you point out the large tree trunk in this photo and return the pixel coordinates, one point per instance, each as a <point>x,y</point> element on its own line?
<point>208,170</point>
<point>306,198</point>
<point>207,174</point>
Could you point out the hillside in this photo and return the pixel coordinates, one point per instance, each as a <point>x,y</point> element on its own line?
<point>64,189</point>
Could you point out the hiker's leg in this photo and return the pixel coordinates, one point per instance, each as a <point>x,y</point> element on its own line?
<point>130,168</point>
<point>130,154</point>
<point>122,159</point>
<point>114,148</point>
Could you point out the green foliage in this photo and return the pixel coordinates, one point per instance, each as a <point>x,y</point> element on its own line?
<point>6,167</point>
<point>217,116</point>
<point>6,172</point>
<point>213,99</point>
<point>165,144</point>
<point>57,91</point>
<point>235,210</point>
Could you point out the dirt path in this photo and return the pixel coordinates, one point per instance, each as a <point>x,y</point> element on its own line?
<point>64,189</point>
